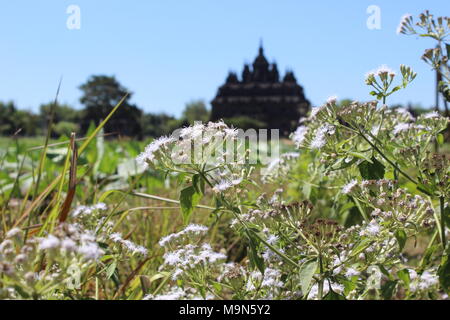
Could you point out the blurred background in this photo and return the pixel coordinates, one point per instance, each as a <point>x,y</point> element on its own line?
<point>173,57</point>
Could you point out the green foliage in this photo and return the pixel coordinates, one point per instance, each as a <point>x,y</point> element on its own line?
<point>157,125</point>
<point>245,123</point>
<point>189,198</point>
<point>307,272</point>
<point>444,272</point>
<point>372,170</point>
<point>195,111</point>
<point>100,95</point>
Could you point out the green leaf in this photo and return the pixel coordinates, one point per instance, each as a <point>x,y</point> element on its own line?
<point>307,271</point>
<point>306,190</point>
<point>22,292</point>
<point>189,198</point>
<point>425,189</point>
<point>362,245</point>
<point>401,236</point>
<point>404,276</point>
<point>360,155</point>
<point>353,217</point>
<point>427,256</point>
<point>444,271</point>
<point>198,183</point>
<point>331,295</point>
<point>387,290</point>
<point>395,89</point>
<point>217,286</point>
<point>349,284</point>
<point>110,270</point>
<point>440,139</point>
<point>100,144</point>
<point>372,171</point>
<point>254,256</point>
<point>384,271</point>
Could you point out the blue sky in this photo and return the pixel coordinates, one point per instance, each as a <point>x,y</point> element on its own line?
<point>170,52</point>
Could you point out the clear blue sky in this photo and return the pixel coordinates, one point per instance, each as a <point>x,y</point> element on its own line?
<point>170,52</point>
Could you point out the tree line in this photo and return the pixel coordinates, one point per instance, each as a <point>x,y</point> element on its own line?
<point>100,94</point>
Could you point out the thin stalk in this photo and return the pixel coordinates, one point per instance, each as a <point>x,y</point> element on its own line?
<point>320,285</point>
<point>150,196</point>
<point>275,250</point>
<point>442,209</point>
<point>388,160</point>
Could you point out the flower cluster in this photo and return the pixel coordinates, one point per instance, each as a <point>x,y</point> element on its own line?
<point>69,247</point>
<point>279,168</point>
<point>130,246</point>
<point>391,205</point>
<point>214,150</point>
<point>182,259</point>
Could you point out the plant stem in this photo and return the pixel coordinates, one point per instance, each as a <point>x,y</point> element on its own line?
<point>442,209</point>
<point>387,159</point>
<point>320,285</point>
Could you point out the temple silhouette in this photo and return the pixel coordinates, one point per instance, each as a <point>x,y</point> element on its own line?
<point>261,95</point>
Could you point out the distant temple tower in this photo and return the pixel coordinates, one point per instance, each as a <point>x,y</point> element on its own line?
<point>260,95</point>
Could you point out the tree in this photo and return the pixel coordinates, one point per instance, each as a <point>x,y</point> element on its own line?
<point>156,125</point>
<point>62,112</point>
<point>196,111</point>
<point>7,121</point>
<point>12,120</point>
<point>65,118</point>
<point>100,95</point>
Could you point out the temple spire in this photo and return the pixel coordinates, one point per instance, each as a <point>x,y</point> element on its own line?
<point>260,67</point>
<point>260,95</point>
<point>261,48</point>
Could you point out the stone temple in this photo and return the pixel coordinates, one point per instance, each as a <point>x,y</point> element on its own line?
<point>260,95</point>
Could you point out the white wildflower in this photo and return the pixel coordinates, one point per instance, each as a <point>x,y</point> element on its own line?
<point>272,239</point>
<point>175,294</point>
<point>403,21</point>
<point>384,70</point>
<point>196,228</point>
<point>315,111</point>
<point>271,279</point>
<point>348,188</point>
<point>318,141</point>
<point>172,258</point>
<point>299,135</point>
<point>149,153</point>
<point>351,272</point>
<point>13,232</point>
<point>192,229</point>
<point>50,242</point>
<point>372,229</point>
<point>222,186</point>
<point>314,292</point>
<point>68,244</point>
<point>431,115</point>
<point>90,251</point>
<point>116,237</point>
<point>400,127</point>
<point>87,210</point>
<point>370,76</point>
<point>405,112</point>
<point>332,100</point>
<point>427,280</point>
